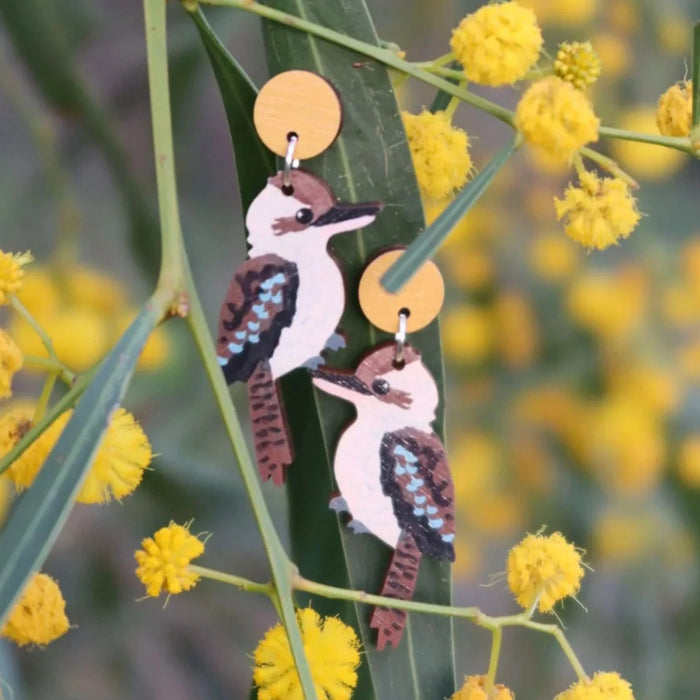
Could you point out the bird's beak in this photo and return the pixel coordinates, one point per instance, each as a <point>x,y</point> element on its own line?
<point>341,384</point>
<point>348,217</point>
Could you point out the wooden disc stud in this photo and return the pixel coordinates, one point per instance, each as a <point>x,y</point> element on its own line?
<point>421,296</point>
<point>302,103</point>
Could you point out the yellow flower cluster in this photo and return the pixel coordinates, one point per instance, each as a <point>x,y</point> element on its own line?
<point>39,616</point>
<point>674,114</point>
<point>603,686</point>
<point>11,273</point>
<point>599,212</point>
<point>332,649</point>
<point>577,63</point>
<point>11,361</point>
<point>544,569</point>
<point>497,44</point>
<point>83,311</point>
<point>163,563</point>
<point>118,465</point>
<point>555,116</point>
<point>473,689</point>
<point>440,153</point>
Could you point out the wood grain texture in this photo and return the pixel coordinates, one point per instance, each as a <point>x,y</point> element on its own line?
<point>422,295</point>
<point>299,102</point>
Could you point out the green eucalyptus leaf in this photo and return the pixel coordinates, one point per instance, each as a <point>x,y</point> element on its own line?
<point>369,161</point>
<point>37,519</point>
<point>254,162</point>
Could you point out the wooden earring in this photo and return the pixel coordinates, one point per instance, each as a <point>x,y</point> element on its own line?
<point>284,303</point>
<point>390,467</point>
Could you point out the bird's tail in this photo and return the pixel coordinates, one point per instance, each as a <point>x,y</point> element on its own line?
<point>399,583</point>
<point>273,448</point>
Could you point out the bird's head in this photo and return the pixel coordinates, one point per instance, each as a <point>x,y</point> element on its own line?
<point>405,394</point>
<point>282,219</point>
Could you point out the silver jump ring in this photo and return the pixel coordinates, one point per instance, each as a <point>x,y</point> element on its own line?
<point>400,338</point>
<point>290,162</point>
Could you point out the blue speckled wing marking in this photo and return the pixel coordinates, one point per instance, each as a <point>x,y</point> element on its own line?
<point>260,302</point>
<point>416,476</point>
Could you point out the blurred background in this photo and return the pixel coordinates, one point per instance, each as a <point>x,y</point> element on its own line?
<point>573,397</point>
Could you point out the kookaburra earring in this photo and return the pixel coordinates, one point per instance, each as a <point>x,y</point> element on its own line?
<point>390,467</point>
<point>284,303</point>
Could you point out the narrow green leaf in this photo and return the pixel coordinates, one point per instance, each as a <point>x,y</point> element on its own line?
<point>254,162</point>
<point>369,161</point>
<point>696,81</point>
<point>40,513</point>
<point>423,247</point>
<point>442,98</point>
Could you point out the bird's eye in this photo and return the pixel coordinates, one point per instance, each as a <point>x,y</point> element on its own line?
<point>380,386</point>
<point>304,216</point>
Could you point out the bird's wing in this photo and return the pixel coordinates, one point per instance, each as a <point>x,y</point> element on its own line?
<point>416,476</point>
<point>260,302</point>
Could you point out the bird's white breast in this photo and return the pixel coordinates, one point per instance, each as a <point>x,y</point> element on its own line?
<point>319,306</point>
<point>357,472</point>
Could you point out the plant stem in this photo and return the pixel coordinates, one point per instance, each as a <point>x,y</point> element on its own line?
<point>559,635</point>
<point>678,142</point>
<point>175,283</point>
<point>22,310</point>
<point>64,403</point>
<point>695,128</point>
<point>44,397</point>
<point>238,581</point>
<point>56,366</point>
<point>385,56</point>
<point>173,253</point>
<point>493,660</point>
<point>610,165</point>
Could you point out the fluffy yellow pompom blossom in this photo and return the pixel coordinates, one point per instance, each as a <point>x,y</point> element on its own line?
<point>39,616</point>
<point>544,566</point>
<point>555,116</point>
<point>603,686</point>
<point>116,470</point>
<point>553,258</point>
<point>440,153</point>
<point>10,362</point>
<point>164,560</point>
<point>497,44</point>
<point>674,113</point>
<point>11,273</point>
<point>467,333</point>
<point>577,63</point>
<point>333,652</point>
<point>599,212</point>
<point>473,689</point>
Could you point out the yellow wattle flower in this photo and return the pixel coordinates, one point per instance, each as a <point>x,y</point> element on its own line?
<point>333,652</point>
<point>497,44</point>
<point>556,117</point>
<point>546,568</point>
<point>39,615</point>
<point>473,689</point>
<point>674,112</point>
<point>599,212</point>
<point>10,362</point>
<point>11,273</point>
<point>603,686</point>
<point>440,153</point>
<point>118,465</point>
<point>577,63</point>
<point>163,563</point>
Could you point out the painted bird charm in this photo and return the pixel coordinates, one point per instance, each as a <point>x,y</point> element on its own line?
<point>392,472</point>
<point>284,303</point>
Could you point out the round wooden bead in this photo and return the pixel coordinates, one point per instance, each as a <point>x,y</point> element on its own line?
<point>302,103</point>
<point>422,295</point>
